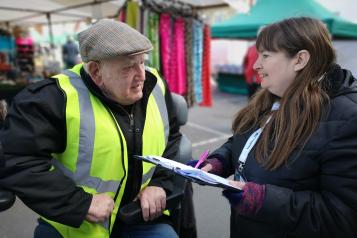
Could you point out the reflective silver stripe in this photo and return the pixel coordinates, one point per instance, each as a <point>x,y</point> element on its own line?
<point>148,175</point>
<point>92,182</point>
<point>86,143</point>
<point>161,103</point>
<point>87,128</point>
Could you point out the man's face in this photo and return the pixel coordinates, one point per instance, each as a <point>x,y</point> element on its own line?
<point>122,78</point>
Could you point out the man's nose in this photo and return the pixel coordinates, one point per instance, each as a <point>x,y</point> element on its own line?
<point>140,71</point>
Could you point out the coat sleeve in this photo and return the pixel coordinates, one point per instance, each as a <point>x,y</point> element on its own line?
<point>35,128</point>
<point>329,212</point>
<point>162,177</point>
<point>224,155</point>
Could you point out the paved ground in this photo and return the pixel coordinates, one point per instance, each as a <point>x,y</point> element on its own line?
<point>207,128</point>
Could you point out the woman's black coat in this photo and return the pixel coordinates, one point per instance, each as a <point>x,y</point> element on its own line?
<point>315,194</point>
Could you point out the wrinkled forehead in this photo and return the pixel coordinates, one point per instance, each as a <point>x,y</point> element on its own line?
<point>132,59</point>
<point>124,60</point>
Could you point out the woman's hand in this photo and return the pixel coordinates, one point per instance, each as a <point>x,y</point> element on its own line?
<point>205,166</point>
<point>234,197</point>
<point>238,184</point>
<point>211,165</point>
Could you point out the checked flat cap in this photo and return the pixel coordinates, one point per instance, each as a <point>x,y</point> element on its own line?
<point>108,38</point>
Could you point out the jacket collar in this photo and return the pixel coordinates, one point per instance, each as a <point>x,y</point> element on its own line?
<point>340,81</point>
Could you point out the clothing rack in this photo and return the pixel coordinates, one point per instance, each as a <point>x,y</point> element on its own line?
<point>175,7</point>
<point>181,45</point>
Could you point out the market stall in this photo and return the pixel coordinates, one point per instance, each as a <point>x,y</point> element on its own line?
<point>180,36</point>
<point>246,26</point>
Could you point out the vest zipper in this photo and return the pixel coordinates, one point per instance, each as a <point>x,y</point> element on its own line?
<point>122,160</point>
<point>131,123</point>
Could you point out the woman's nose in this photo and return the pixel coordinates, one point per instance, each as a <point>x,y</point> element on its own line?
<point>256,65</point>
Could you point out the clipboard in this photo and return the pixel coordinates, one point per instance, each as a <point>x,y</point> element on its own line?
<point>188,172</point>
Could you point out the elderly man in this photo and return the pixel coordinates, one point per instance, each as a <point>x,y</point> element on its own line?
<point>69,141</point>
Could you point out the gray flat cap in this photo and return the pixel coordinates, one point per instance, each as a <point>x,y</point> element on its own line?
<point>109,38</point>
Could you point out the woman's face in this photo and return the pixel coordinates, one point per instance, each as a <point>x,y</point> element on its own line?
<point>276,71</point>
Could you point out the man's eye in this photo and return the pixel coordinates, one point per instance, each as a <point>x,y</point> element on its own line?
<point>128,67</point>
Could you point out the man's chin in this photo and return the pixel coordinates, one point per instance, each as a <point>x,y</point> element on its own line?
<point>136,97</point>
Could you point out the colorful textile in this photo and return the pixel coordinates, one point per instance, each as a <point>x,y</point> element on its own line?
<point>177,83</point>
<point>145,19</point>
<point>190,94</point>
<point>206,66</point>
<point>252,199</point>
<point>122,15</point>
<point>181,51</point>
<point>165,44</point>
<point>197,59</point>
<point>152,32</point>
<point>132,12</point>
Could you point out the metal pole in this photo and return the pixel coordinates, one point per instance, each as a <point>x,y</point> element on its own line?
<point>48,15</point>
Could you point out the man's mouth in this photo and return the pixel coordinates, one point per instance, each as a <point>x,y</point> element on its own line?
<point>136,86</point>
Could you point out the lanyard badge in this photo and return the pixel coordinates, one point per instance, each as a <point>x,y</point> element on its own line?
<point>252,140</point>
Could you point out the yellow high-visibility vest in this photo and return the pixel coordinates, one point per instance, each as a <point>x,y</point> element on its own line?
<point>96,156</point>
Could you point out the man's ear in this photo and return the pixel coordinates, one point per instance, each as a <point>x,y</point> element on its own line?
<point>94,72</point>
<point>302,58</point>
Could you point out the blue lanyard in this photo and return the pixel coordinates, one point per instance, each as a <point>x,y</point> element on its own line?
<point>252,140</point>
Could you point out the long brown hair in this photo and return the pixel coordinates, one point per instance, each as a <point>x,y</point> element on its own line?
<point>303,103</point>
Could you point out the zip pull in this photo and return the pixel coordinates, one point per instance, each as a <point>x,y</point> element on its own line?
<point>131,116</point>
<point>131,119</point>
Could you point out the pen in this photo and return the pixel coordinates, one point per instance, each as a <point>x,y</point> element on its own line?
<point>203,157</point>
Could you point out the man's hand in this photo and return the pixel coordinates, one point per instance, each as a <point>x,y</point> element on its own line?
<point>153,202</point>
<point>100,208</point>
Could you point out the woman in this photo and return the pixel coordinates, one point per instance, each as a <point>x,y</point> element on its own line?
<point>294,147</point>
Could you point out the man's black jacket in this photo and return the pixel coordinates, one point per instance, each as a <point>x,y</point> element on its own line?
<point>35,127</point>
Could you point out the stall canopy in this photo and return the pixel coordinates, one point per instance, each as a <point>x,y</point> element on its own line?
<point>49,12</point>
<point>269,11</point>
<point>31,12</point>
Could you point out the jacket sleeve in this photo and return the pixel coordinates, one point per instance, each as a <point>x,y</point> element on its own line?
<point>329,212</point>
<point>162,177</point>
<point>224,155</point>
<point>35,128</point>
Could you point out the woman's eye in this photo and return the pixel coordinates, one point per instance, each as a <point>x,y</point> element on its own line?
<point>265,56</point>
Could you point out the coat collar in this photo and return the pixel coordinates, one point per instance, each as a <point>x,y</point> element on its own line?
<point>339,81</point>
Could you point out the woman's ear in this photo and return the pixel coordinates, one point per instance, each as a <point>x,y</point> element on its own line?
<point>302,58</point>
<point>94,72</point>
